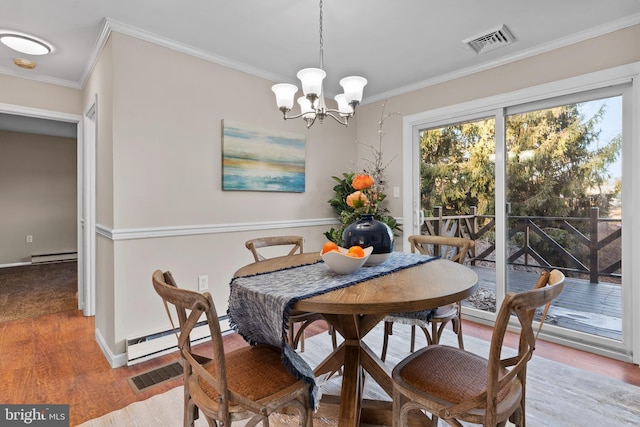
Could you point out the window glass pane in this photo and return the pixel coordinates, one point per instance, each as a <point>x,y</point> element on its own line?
<point>457,168</point>
<point>564,182</point>
<point>457,194</point>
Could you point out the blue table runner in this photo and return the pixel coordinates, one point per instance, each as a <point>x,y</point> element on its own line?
<point>259,305</point>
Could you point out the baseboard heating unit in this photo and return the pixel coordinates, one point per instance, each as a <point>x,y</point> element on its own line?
<point>56,257</point>
<point>154,345</point>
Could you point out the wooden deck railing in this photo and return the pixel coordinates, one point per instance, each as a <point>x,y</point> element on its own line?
<point>583,247</point>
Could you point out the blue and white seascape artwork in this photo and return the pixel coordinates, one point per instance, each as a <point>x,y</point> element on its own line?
<point>255,159</point>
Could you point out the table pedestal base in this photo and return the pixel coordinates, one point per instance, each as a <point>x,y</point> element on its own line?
<point>357,360</point>
<point>372,412</point>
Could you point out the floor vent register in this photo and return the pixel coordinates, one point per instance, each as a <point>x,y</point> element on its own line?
<point>156,376</point>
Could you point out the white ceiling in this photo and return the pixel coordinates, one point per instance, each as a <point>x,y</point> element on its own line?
<point>397,45</point>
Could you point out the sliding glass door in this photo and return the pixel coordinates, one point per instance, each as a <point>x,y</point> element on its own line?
<point>564,208</point>
<point>537,185</point>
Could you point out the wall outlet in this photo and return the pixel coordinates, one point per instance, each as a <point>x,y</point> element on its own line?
<point>29,239</point>
<point>203,283</point>
<point>396,192</point>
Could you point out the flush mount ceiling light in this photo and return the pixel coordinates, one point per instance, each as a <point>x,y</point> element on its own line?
<point>312,105</point>
<point>25,43</point>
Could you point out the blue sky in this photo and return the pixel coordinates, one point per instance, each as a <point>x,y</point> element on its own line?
<point>610,126</point>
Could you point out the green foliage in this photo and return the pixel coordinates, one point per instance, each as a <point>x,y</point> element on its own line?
<point>552,169</point>
<point>342,189</point>
<point>455,170</point>
<point>555,178</point>
<point>347,214</point>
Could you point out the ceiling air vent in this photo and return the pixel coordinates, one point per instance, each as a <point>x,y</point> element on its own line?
<point>491,40</point>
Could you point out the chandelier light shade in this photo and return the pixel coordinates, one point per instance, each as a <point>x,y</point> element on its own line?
<point>312,104</point>
<point>284,95</point>
<point>311,79</point>
<point>353,87</point>
<point>343,106</point>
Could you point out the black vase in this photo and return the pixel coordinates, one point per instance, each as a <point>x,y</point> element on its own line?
<point>366,232</point>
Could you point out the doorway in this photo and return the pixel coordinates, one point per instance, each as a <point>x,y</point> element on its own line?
<point>25,119</point>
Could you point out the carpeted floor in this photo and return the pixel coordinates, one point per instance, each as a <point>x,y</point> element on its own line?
<point>34,290</point>
<point>557,395</point>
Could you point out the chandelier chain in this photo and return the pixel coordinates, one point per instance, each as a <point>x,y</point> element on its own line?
<point>321,39</point>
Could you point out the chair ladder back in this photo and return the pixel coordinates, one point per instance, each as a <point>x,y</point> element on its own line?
<point>262,242</point>
<point>182,314</point>
<point>442,245</point>
<point>543,293</point>
<point>206,387</point>
<point>461,253</point>
<point>521,304</point>
<point>553,278</point>
<point>501,392</point>
<point>197,304</point>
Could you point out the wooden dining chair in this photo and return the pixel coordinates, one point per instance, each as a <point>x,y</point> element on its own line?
<point>457,385</point>
<point>296,244</point>
<point>454,249</point>
<point>251,382</point>
<point>301,319</point>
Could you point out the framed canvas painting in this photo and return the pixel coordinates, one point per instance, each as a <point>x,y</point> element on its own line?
<point>256,159</point>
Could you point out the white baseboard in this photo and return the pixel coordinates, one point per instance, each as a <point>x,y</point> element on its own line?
<point>115,360</point>
<point>122,359</point>
<point>14,264</point>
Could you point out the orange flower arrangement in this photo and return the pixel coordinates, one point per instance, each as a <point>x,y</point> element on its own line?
<point>362,182</point>
<point>358,194</point>
<point>364,199</point>
<point>357,199</point>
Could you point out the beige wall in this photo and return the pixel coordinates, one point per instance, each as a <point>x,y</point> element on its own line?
<point>37,195</point>
<point>618,48</point>
<point>164,152</point>
<point>168,111</point>
<point>159,146</point>
<point>33,94</point>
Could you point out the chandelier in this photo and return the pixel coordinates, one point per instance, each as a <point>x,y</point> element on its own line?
<point>312,104</point>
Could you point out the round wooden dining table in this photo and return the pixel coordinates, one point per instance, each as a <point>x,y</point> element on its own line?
<point>355,310</point>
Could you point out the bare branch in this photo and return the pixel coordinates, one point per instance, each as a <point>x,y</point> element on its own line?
<point>376,166</point>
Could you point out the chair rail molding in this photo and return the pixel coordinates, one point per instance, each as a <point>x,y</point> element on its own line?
<point>189,230</point>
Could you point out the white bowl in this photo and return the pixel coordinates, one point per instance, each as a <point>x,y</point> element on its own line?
<point>341,263</point>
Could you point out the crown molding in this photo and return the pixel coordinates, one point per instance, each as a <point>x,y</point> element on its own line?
<point>101,41</point>
<point>113,25</point>
<point>49,80</point>
<point>547,47</point>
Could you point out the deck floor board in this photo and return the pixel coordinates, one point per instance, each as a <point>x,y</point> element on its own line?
<point>582,306</point>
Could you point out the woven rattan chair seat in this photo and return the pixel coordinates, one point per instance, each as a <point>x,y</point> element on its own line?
<point>254,372</point>
<point>456,385</point>
<point>448,373</point>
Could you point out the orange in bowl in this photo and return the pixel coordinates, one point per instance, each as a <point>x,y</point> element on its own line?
<point>329,246</point>
<point>342,261</point>
<point>356,251</point>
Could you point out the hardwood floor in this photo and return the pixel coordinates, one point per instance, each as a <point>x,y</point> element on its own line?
<point>55,359</point>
